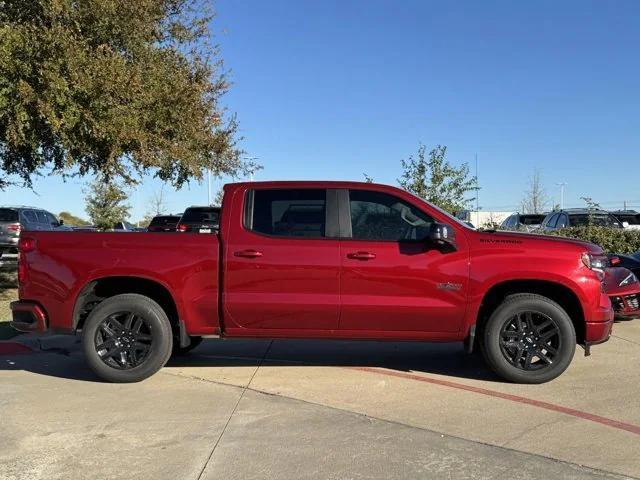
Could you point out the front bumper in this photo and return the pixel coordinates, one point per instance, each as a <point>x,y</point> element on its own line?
<point>28,317</point>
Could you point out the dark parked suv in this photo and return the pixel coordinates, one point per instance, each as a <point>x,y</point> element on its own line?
<point>522,222</point>
<point>164,223</point>
<point>13,220</point>
<point>579,217</point>
<point>200,219</point>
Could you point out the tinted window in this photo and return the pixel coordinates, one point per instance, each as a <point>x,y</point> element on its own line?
<point>201,215</point>
<point>380,216</point>
<point>594,219</point>
<point>42,217</point>
<point>164,221</point>
<point>551,220</point>
<point>562,221</point>
<point>531,219</point>
<point>30,215</point>
<point>289,213</point>
<point>51,219</point>
<point>8,215</point>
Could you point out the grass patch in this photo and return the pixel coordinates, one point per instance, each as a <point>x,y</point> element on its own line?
<point>7,295</point>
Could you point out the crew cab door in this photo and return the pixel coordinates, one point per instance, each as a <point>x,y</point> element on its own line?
<point>392,279</point>
<point>281,266</point>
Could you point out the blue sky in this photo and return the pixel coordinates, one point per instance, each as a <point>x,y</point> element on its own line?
<point>333,89</point>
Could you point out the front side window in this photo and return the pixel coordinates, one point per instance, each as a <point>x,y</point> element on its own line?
<point>289,212</point>
<point>562,221</point>
<point>379,216</point>
<point>30,216</point>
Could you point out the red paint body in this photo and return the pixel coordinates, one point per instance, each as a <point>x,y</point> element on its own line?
<point>313,288</point>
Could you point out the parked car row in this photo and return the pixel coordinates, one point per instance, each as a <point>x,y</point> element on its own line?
<point>571,217</point>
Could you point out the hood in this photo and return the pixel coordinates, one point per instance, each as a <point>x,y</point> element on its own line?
<point>521,237</point>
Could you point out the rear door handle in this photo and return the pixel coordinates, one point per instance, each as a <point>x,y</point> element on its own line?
<point>248,254</point>
<point>361,255</point>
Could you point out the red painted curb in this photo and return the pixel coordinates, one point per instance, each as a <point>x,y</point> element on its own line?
<point>609,422</point>
<point>13,348</point>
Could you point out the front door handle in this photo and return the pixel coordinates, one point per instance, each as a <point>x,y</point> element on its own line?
<point>361,255</point>
<point>248,254</point>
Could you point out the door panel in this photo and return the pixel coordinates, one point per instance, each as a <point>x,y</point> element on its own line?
<point>391,279</point>
<point>281,272</point>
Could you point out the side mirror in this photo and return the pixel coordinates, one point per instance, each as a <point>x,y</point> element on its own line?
<point>443,236</point>
<point>60,222</point>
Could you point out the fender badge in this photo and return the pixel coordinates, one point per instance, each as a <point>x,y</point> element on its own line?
<point>450,286</point>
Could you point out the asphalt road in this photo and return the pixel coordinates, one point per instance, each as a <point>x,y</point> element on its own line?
<point>319,410</point>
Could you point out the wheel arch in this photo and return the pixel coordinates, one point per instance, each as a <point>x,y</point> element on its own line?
<point>558,292</point>
<point>99,289</point>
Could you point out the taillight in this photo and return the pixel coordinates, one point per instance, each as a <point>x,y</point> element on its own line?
<point>182,227</point>
<point>14,227</point>
<point>26,244</point>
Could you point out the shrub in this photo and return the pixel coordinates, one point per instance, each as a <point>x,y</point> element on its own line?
<point>612,240</point>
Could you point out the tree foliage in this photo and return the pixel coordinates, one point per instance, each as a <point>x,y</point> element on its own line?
<point>115,87</point>
<point>612,240</point>
<point>434,179</point>
<point>105,203</point>
<point>536,199</point>
<point>72,220</point>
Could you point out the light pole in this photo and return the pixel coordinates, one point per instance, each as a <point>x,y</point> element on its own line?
<point>209,186</point>
<point>562,185</point>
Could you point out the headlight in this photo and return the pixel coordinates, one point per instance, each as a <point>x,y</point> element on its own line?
<point>628,280</point>
<point>595,262</point>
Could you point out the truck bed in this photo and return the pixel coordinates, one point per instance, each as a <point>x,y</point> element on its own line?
<point>65,263</point>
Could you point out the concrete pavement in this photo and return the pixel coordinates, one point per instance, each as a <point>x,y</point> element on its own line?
<point>285,409</point>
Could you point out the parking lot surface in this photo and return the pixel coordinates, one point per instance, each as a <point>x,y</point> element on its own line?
<point>312,409</point>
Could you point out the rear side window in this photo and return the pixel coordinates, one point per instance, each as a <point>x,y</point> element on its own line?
<point>205,216</point>
<point>378,216</point>
<point>289,213</point>
<point>562,221</point>
<point>30,216</point>
<point>8,215</point>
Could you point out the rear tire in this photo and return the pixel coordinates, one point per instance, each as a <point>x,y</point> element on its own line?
<point>127,338</point>
<point>528,339</point>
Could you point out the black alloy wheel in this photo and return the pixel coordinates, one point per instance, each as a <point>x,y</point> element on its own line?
<point>123,340</point>
<point>530,340</point>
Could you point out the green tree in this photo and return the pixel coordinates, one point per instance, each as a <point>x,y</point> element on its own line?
<point>113,87</point>
<point>72,220</point>
<point>106,203</point>
<point>434,179</point>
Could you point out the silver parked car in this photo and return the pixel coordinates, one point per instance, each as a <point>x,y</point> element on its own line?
<point>13,220</point>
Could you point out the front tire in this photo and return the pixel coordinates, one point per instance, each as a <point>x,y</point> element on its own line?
<point>529,339</point>
<point>127,338</point>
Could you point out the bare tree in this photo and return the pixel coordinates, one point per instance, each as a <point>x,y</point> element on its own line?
<point>157,204</point>
<point>536,198</point>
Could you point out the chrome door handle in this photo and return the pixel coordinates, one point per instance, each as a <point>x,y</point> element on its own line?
<point>248,254</point>
<point>361,255</point>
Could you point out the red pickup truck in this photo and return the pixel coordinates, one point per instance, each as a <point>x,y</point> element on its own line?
<point>333,260</point>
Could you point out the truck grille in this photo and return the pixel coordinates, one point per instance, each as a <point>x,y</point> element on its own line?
<point>627,303</point>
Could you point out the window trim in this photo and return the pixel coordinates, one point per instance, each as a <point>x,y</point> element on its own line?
<point>330,213</point>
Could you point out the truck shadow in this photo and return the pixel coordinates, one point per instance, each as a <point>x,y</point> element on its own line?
<point>436,358</point>
<point>65,360</point>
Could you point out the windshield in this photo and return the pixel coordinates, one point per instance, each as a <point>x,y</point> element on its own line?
<point>8,215</point>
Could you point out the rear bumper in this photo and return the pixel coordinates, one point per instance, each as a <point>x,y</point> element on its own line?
<point>28,317</point>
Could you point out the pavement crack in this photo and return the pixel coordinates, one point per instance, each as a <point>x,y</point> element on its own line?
<point>625,339</point>
<point>235,408</point>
